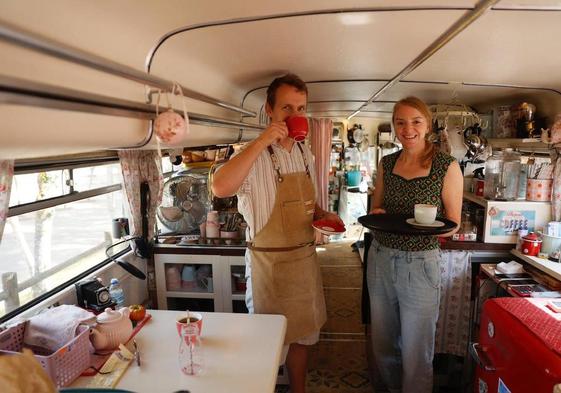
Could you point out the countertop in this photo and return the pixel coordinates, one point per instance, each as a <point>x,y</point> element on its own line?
<point>241,354</point>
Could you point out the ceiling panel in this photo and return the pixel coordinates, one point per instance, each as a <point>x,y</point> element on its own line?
<point>507,47</point>
<point>315,47</point>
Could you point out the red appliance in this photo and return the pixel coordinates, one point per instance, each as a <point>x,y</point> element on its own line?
<point>519,349</point>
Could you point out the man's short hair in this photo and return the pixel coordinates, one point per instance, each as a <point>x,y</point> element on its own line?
<point>288,79</point>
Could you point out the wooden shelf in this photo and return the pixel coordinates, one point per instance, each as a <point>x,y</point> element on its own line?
<point>517,143</point>
<point>191,294</point>
<point>475,199</point>
<point>545,265</point>
<point>484,202</point>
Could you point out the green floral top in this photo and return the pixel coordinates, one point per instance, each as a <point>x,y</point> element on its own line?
<point>400,196</point>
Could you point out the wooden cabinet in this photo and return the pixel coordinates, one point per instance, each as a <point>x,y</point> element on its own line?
<point>200,282</point>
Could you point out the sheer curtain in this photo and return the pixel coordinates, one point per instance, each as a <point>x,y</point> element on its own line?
<point>320,140</point>
<point>6,175</point>
<point>140,166</point>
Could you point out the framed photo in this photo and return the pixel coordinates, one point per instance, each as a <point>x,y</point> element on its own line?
<point>337,131</point>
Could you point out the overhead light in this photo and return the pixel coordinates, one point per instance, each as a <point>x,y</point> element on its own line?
<point>353,114</point>
<point>355,19</point>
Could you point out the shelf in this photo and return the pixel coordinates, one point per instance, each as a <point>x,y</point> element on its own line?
<point>197,295</point>
<point>530,143</point>
<point>238,296</point>
<point>545,265</point>
<point>475,199</point>
<point>484,202</point>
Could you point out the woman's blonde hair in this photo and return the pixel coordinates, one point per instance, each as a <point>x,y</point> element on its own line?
<point>416,103</point>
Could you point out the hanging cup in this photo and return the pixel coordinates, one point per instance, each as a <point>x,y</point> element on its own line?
<point>170,127</point>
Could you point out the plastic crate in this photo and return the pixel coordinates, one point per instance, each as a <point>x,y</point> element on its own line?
<point>62,366</point>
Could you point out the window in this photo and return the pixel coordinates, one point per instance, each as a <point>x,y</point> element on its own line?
<point>48,243</point>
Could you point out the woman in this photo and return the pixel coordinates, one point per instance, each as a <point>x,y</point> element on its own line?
<point>403,272</point>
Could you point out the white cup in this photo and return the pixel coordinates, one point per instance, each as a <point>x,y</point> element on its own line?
<point>425,214</point>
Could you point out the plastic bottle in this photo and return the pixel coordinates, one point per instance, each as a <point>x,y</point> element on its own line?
<point>117,293</point>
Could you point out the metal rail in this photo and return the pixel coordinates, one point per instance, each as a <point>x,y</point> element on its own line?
<point>50,47</point>
<point>22,92</point>
<point>442,40</point>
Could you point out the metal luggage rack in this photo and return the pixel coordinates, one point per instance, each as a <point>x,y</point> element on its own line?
<point>25,92</point>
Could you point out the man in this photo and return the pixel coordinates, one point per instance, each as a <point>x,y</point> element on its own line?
<point>274,180</point>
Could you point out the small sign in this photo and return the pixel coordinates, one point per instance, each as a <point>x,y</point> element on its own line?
<point>502,387</point>
<point>508,222</point>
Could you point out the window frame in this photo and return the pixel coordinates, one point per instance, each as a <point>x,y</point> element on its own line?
<point>63,163</point>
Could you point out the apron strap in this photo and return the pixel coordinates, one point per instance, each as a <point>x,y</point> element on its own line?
<point>278,249</point>
<point>276,163</point>
<point>304,158</point>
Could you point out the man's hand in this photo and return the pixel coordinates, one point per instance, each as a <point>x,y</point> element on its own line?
<point>275,132</point>
<point>377,210</point>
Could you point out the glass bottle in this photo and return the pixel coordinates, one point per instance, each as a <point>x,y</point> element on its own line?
<point>510,175</point>
<point>493,169</point>
<point>190,355</point>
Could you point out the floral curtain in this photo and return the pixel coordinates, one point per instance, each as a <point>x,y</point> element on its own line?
<point>137,167</point>
<point>321,131</point>
<point>6,175</point>
<point>452,328</point>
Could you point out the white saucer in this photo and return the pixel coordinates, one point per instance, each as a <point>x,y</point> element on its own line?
<point>436,224</point>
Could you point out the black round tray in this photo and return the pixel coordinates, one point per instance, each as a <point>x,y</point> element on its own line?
<point>395,223</point>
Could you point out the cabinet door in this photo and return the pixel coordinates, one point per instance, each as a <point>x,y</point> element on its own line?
<point>189,282</point>
<point>234,285</point>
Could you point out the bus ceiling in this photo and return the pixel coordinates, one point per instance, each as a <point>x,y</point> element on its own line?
<point>92,82</point>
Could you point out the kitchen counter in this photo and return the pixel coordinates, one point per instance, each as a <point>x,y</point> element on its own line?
<point>200,249</point>
<point>241,354</point>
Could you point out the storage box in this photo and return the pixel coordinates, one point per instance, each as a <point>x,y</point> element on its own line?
<point>502,219</point>
<point>62,366</point>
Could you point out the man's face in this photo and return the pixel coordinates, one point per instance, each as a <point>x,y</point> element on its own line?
<point>289,101</point>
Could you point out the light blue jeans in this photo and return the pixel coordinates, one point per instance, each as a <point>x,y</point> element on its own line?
<point>404,289</point>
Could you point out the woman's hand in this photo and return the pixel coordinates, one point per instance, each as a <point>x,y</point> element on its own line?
<point>377,210</point>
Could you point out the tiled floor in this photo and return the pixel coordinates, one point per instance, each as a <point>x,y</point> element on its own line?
<point>337,364</point>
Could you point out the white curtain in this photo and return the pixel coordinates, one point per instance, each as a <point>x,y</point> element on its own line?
<point>452,328</point>
<point>6,175</point>
<point>137,167</point>
<point>321,131</point>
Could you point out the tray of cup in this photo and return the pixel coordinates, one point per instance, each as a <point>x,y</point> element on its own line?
<point>404,224</point>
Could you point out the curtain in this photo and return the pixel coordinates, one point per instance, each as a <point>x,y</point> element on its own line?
<point>138,166</point>
<point>321,131</point>
<point>452,328</point>
<point>6,175</point>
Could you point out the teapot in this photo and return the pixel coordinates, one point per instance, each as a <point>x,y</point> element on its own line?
<point>113,328</point>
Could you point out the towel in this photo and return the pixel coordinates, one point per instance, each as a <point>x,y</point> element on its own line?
<point>511,267</point>
<point>56,327</point>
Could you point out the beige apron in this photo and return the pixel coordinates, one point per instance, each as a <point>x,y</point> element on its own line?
<point>285,273</point>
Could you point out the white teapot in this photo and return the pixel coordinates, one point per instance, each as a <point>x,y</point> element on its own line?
<point>113,328</point>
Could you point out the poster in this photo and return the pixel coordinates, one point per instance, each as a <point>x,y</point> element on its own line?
<point>508,222</point>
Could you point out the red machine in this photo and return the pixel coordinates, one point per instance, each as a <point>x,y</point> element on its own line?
<point>519,349</point>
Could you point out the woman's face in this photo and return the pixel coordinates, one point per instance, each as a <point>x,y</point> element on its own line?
<point>411,127</point>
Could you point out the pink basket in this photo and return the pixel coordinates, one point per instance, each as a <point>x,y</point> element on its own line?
<point>62,366</point>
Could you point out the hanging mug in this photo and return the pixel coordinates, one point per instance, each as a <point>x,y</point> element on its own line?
<point>170,127</point>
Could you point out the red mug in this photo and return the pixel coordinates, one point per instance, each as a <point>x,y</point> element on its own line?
<point>297,127</point>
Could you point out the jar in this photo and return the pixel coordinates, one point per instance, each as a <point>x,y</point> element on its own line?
<point>502,173</point>
<point>531,244</point>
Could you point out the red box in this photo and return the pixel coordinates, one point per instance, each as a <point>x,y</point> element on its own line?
<point>519,349</point>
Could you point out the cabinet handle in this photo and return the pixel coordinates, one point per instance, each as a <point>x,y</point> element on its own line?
<point>481,360</point>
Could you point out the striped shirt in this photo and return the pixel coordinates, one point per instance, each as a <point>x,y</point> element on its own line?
<point>256,195</point>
